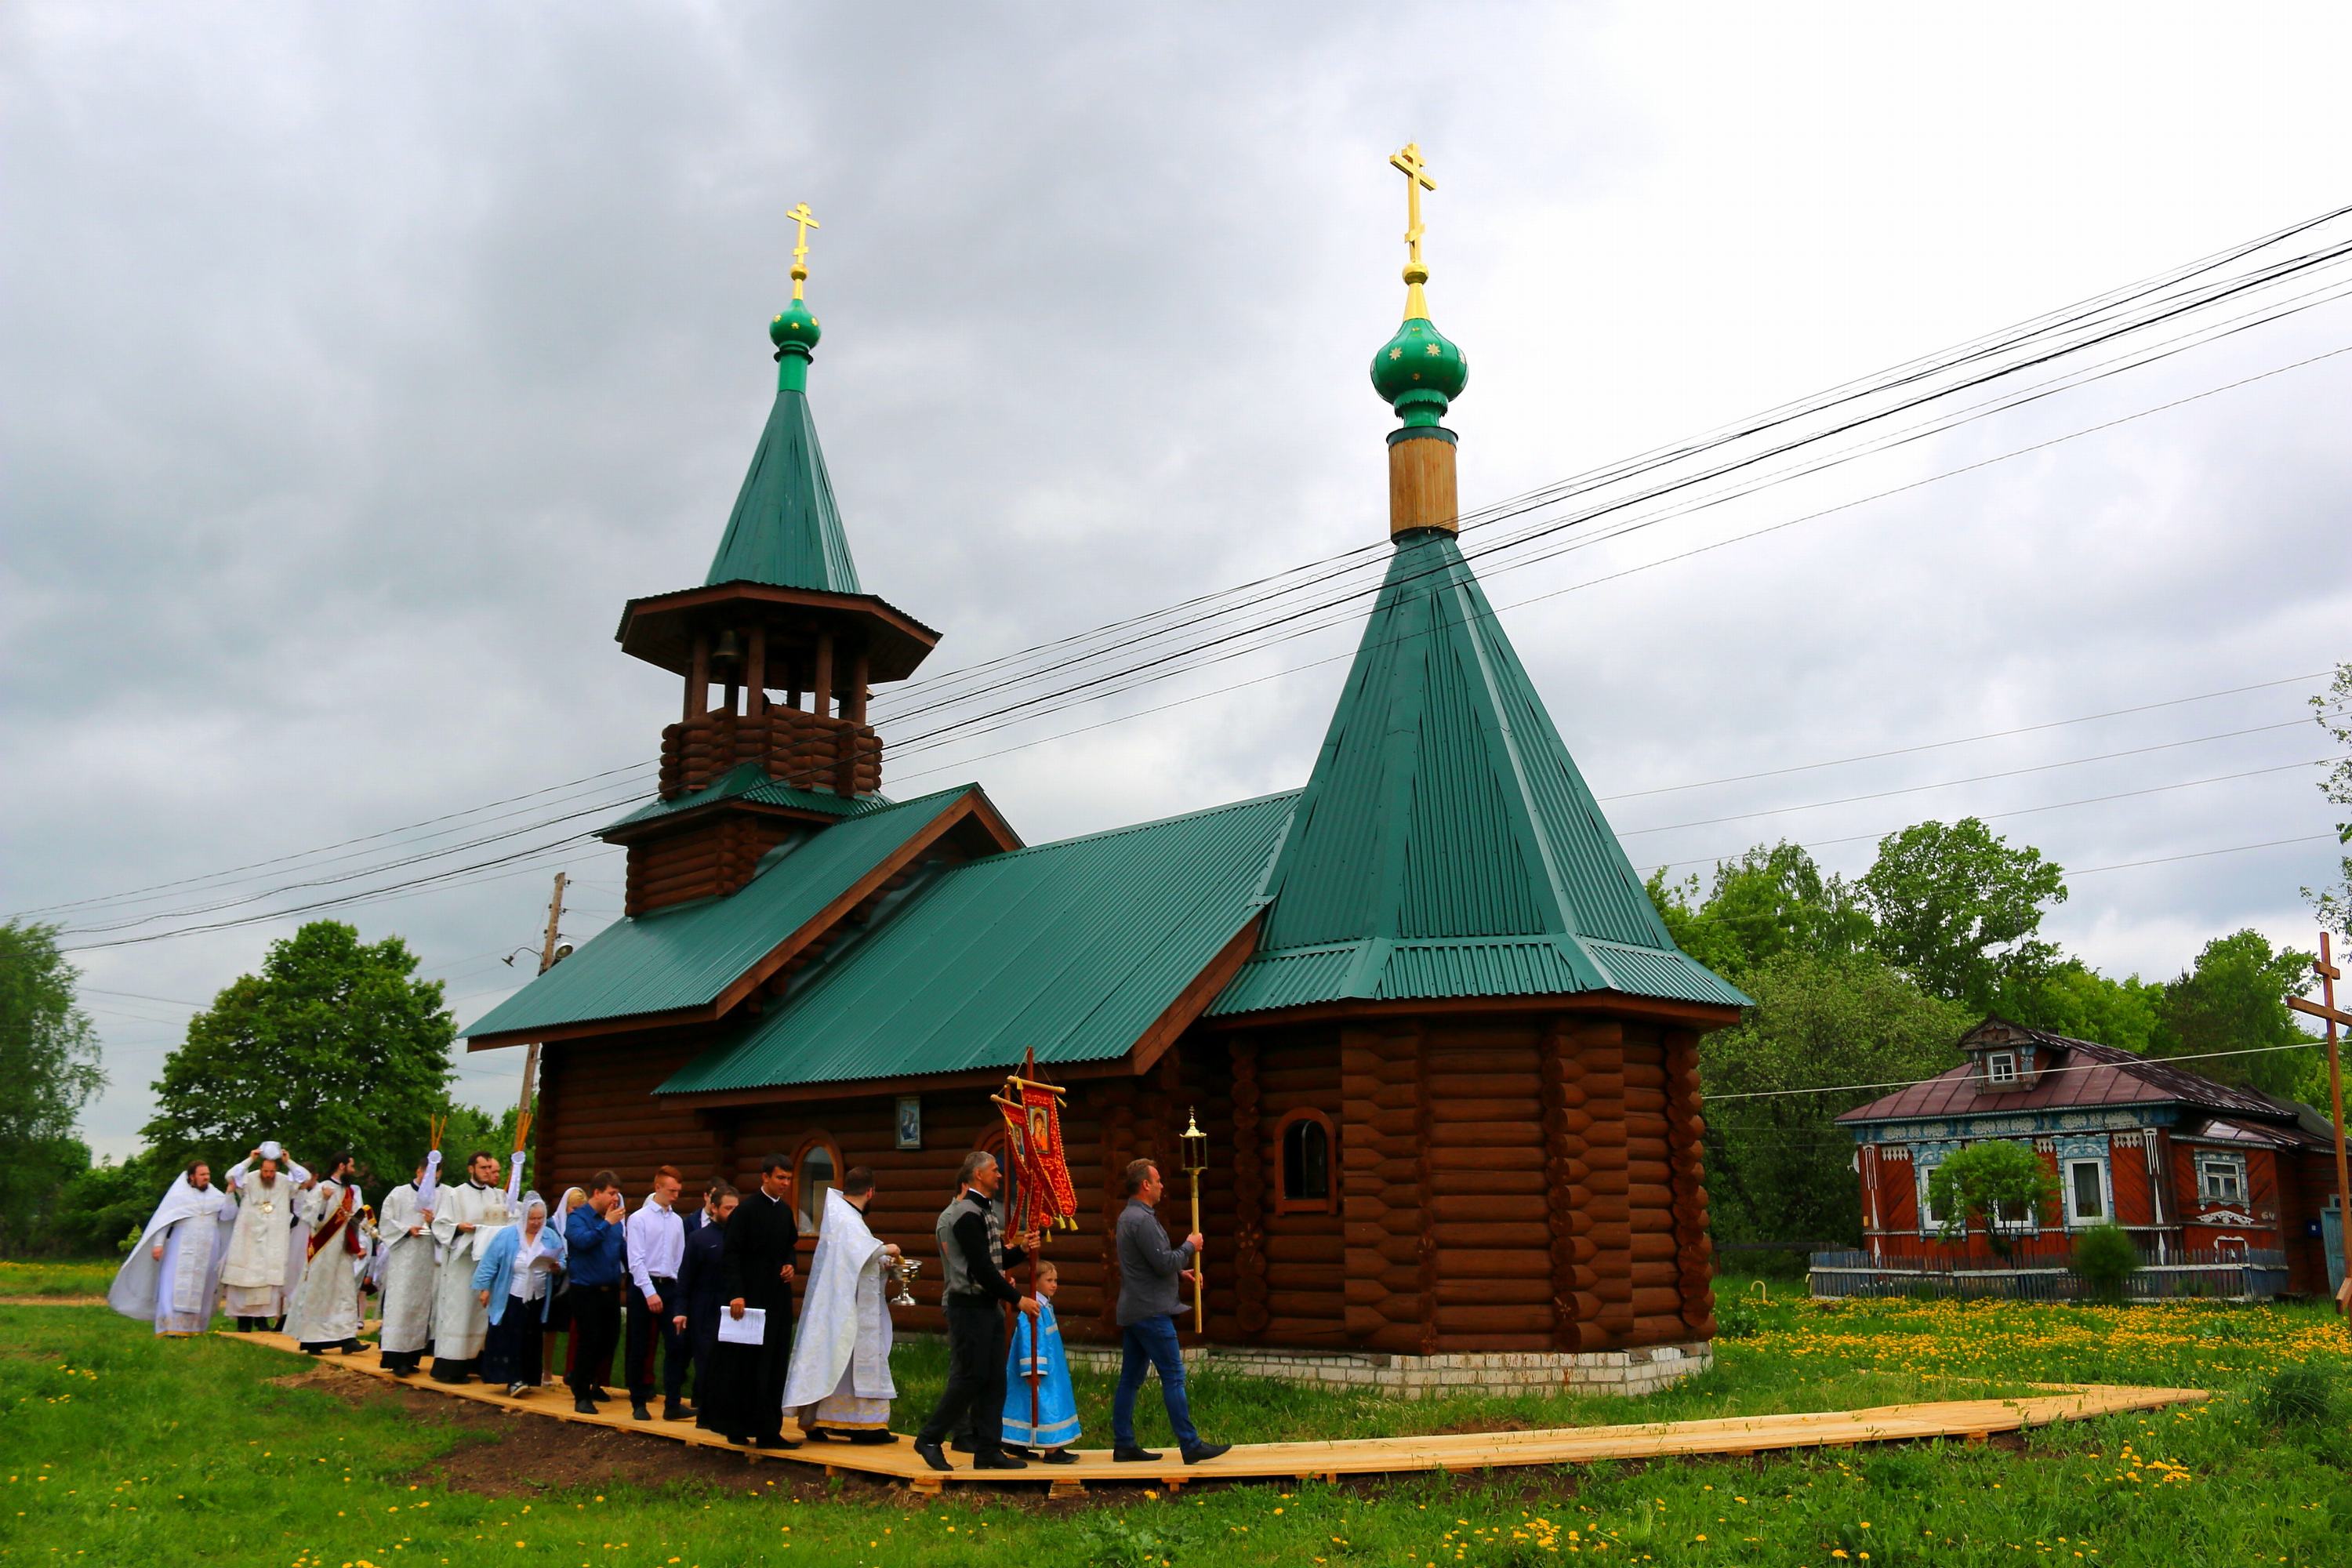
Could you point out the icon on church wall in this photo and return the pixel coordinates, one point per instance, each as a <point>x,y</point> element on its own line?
<point>910,1122</point>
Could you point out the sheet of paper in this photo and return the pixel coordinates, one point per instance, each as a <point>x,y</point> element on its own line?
<point>748,1330</point>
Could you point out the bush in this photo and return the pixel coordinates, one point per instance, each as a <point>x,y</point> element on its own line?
<point>2301,1394</point>
<point>2105,1258</point>
<point>1736,1319</point>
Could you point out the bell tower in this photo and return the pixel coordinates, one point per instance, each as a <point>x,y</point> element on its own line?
<point>778,650</point>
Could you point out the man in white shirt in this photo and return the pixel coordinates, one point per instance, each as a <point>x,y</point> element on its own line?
<point>656,1245</point>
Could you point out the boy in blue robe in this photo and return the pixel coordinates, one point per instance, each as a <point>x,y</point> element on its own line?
<point>1056,1428</point>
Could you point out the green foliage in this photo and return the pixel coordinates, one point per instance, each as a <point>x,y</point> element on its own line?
<point>1958,910</point>
<point>334,1045</point>
<point>48,1061</point>
<point>1996,1176</point>
<point>1736,1319</point>
<point>2332,710</point>
<point>1113,1541</point>
<point>2081,1002</point>
<point>1764,904</point>
<point>2234,999</point>
<point>104,1205</point>
<point>2105,1256</point>
<point>2303,1394</point>
<point>1780,1168</point>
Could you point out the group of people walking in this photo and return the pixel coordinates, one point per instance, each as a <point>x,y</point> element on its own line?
<point>480,1276</point>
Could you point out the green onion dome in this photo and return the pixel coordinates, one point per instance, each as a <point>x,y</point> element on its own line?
<point>796,328</point>
<point>1419,371</point>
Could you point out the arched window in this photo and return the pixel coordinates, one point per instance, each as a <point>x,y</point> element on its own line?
<point>816,1169</point>
<point>1307,1143</point>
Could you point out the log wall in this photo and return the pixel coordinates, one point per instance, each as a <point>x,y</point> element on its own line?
<point>808,751</point>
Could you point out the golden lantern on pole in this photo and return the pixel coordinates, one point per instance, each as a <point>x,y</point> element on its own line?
<point>1196,1159</point>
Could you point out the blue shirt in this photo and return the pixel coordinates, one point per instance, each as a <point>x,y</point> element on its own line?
<point>596,1247</point>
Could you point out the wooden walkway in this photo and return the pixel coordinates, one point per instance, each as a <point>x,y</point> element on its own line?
<point>1972,1420</point>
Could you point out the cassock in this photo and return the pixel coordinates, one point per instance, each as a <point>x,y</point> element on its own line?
<point>177,1291</point>
<point>265,1256</point>
<point>405,1276</point>
<point>747,1388</point>
<point>459,1320</point>
<point>840,1376</point>
<point>326,1306</point>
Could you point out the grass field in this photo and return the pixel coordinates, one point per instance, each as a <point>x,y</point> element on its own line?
<point>118,1447</point>
<point>69,1277</point>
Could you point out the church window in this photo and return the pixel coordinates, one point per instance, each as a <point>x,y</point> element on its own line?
<point>1306,1141</point>
<point>815,1170</point>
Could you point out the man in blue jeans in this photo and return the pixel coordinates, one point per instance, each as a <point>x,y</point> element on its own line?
<point>1149,1270</point>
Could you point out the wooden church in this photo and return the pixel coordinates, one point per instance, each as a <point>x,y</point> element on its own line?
<point>1444,1051</point>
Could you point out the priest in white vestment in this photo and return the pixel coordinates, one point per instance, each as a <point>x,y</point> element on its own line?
<point>264,1258</point>
<point>172,1276</point>
<point>466,1216</point>
<point>839,1384</point>
<point>406,1270</point>
<point>326,1311</point>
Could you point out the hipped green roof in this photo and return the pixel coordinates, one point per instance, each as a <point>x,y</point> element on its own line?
<point>786,531</point>
<point>1446,845</point>
<point>685,956</point>
<point>749,781</point>
<point>1074,949</point>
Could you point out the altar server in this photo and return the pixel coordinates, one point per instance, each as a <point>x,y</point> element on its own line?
<point>325,1312</point>
<point>464,1218</point>
<point>405,1270</point>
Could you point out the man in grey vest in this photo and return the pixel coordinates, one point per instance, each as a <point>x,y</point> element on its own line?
<point>1149,1270</point>
<point>973,1267</point>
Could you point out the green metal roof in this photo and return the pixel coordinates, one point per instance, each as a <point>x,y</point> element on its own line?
<point>1074,949</point>
<point>1446,845</point>
<point>750,781</point>
<point>786,531</point>
<point>685,956</point>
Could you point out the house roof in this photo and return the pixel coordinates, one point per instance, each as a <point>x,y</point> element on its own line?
<point>751,784</point>
<point>687,956</point>
<point>786,531</point>
<point>1076,950</point>
<point>2084,1075</point>
<point>1446,845</point>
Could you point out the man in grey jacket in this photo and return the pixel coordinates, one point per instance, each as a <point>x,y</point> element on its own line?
<point>1149,1270</point>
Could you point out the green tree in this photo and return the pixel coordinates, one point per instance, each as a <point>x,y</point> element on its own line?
<point>48,1061</point>
<point>2233,998</point>
<point>1990,1181</point>
<point>1959,911</point>
<point>334,1045</point>
<point>1768,902</point>
<point>2332,709</point>
<point>2075,1000</point>
<point>1778,1166</point>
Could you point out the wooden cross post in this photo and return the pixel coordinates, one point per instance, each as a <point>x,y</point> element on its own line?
<point>2326,1010</point>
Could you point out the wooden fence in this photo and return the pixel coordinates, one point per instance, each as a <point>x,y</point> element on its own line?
<point>2046,1274</point>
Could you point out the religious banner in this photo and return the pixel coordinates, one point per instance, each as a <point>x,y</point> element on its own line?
<point>1032,1109</point>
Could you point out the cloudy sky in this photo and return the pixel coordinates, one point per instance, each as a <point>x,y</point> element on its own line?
<point>359,363</point>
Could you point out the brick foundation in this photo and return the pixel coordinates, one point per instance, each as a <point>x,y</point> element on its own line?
<point>1629,1373</point>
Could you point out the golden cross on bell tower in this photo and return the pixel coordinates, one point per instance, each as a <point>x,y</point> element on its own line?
<point>807,220</point>
<point>1408,162</point>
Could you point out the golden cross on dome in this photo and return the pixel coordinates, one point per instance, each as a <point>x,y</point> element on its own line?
<point>1416,180</point>
<point>807,220</point>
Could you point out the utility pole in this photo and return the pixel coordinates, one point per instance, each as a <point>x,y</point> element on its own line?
<point>546,962</point>
<point>2326,1011</point>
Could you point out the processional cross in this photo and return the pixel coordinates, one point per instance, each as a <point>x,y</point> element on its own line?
<point>1408,162</point>
<point>807,221</point>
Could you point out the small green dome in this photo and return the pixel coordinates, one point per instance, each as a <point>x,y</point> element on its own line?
<point>1419,372</point>
<point>795,327</point>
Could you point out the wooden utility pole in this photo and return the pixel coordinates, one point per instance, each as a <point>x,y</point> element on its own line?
<point>2327,1012</point>
<point>546,962</point>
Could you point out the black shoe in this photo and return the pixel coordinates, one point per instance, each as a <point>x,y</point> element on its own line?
<point>818,1435</point>
<point>583,1404</point>
<point>1133,1455</point>
<point>1057,1457</point>
<point>961,1447</point>
<point>873,1439</point>
<point>998,1461</point>
<point>1202,1453</point>
<point>778,1441</point>
<point>637,1411</point>
<point>314,1350</point>
<point>673,1411</point>
<point>1018,1451</point>
<point>929,1454</point>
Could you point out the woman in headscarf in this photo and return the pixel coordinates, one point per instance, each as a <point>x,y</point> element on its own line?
<point>172,1276</point>
<point>516,1280</point>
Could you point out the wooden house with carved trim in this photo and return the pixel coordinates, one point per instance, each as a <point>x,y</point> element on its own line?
<point>1446,1050</point>
<point>2193,1169</point>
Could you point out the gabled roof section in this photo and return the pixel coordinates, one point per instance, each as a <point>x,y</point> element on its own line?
<point>2087,1075</point>
<point>786,529</point>
<point>1084,949</point>
<point>694,961</point>
<point>751,784</point>
<point>1446,845</point>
